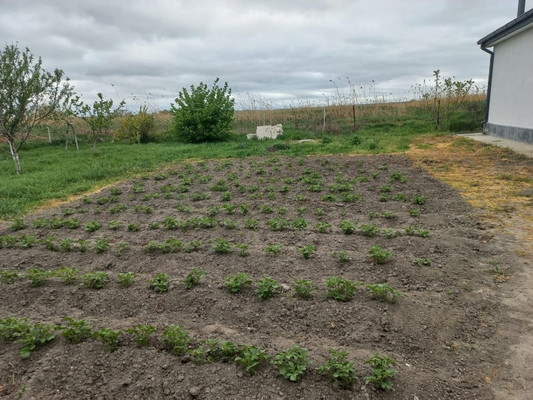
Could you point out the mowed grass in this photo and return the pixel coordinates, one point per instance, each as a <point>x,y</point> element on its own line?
<point>53,174</point>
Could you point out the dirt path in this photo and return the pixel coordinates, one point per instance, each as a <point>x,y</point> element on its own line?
<point>500,183</point>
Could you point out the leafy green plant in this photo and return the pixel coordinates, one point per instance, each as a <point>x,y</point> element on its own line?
<point>126,279</point>
<point>141,333</point>
<point>123,246</point>
<point>243,249</point>
<point>18,224</point>
<point>133,227</point>
<point>170,245</point>
<point>322,227</point>
<point>176,338</point>
<point>108,337</point>
<point>228,350</point>
<point>342,256</point>
<point>36,336</point>
<point>229,223</point>
<point>193,245</point>
<point>7,241</point>
<point>266,287</point>
<point>76,330</point>
<point>303,288</point>
<point>299,224</point>
<point>66,244</point>
<point>414,212</point>
<point>28,241</point>
<point>37,276</point>
<point>193,278</point>
<point>101,245</point>
<point>340,288</point>
<point>419,199</point>
<point>380,255</point>
<point>92,226</point>
<point>381,370</point>
<point>348,227</point>
<point>50,243</point>
<point>251,357</point>
<point>422,261</point>
<point>235,283</point>
<point>277,224</point>
<point>307,251</point>
<point>69,275</point>
<point>273,249</point>
<point>370,229</point>
<point>82,245</point>
<point>12,328</point>
<point>292,363</point>
<point>159,282</point>
<point>416,231</point>
<point>385,292</point>
<point>339,369</point>
<point>9,277</point>
<point>221,246</point>
<point>95,280</point>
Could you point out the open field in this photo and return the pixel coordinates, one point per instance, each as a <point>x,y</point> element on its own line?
<point>454,257</point>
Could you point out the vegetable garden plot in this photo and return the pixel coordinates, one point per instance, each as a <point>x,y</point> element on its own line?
<point>364,272</point>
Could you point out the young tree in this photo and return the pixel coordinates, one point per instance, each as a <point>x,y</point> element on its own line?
<point>99,116</point>
<point>443,97</point>
<point>29,95</point>
<point>203,114</point>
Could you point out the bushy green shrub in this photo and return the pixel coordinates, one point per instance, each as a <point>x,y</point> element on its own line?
<point>203,114</point>
<point>136,127</point>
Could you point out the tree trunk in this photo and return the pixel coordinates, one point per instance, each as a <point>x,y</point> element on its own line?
<point>15,155</point>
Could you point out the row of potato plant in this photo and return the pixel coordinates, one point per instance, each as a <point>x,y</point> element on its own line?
<point>338,287</point>
<point>292,363</point>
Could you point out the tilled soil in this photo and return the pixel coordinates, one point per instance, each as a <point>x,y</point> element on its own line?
<point>444,333</point>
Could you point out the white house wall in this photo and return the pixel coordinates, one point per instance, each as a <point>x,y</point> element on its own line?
<point>511,103</point>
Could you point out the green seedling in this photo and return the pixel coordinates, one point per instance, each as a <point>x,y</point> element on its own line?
<point>12,328</point>
<point>243,249</point>
<point>342,256</point>
<point>414,212</point>
<point>37,276</point>
<point>108,337</point>
<point>243,209</point>
<point>36,336</point>
<point>101,245</point>
<point>303,288</point>
<point>299,224</point>
<point>422,261</point>
<point>133,227</point>
<point>266,287</point>
<point>159,282</point>
<point>292,363</point>
<point>221,246</point>
<point>18,224</point>
<point>416,231</point>
<point>50,242</point>
<point>227,351</point>
<point>28,241</point>
<point>339,369</point>
<point>235,283</point>
<point>67,274</point>
<point>92,226</point>
<point>380,255</point>
<point>66,244</point>
<point>381,371</point>
<point>340,288</point>
<point>193,245</point>
<point>250,358</point>
<point>273,249</point>
<point>307,251</point>
<point>385,292</point>
<point>76,331</point>
<point>123,246</point>
<point>141,333</point>
<point>193,278</point>
<point>277,224</point>
<point>348,227</point>
<point>9,277</point>
<point>229,223</point>
<point>82,245</point>
<point>126,279</point>
<point>419,199</point>
<point>350,197</point>
<point>171,245</point>
<point>177,339</point>
<point>322,227</point>
<point>370,229</point>
<point>95,280</point>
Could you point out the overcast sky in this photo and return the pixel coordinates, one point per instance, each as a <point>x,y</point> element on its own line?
<point>280,50</point>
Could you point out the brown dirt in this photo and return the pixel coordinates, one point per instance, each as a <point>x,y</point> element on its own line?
<point>453,334</point>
